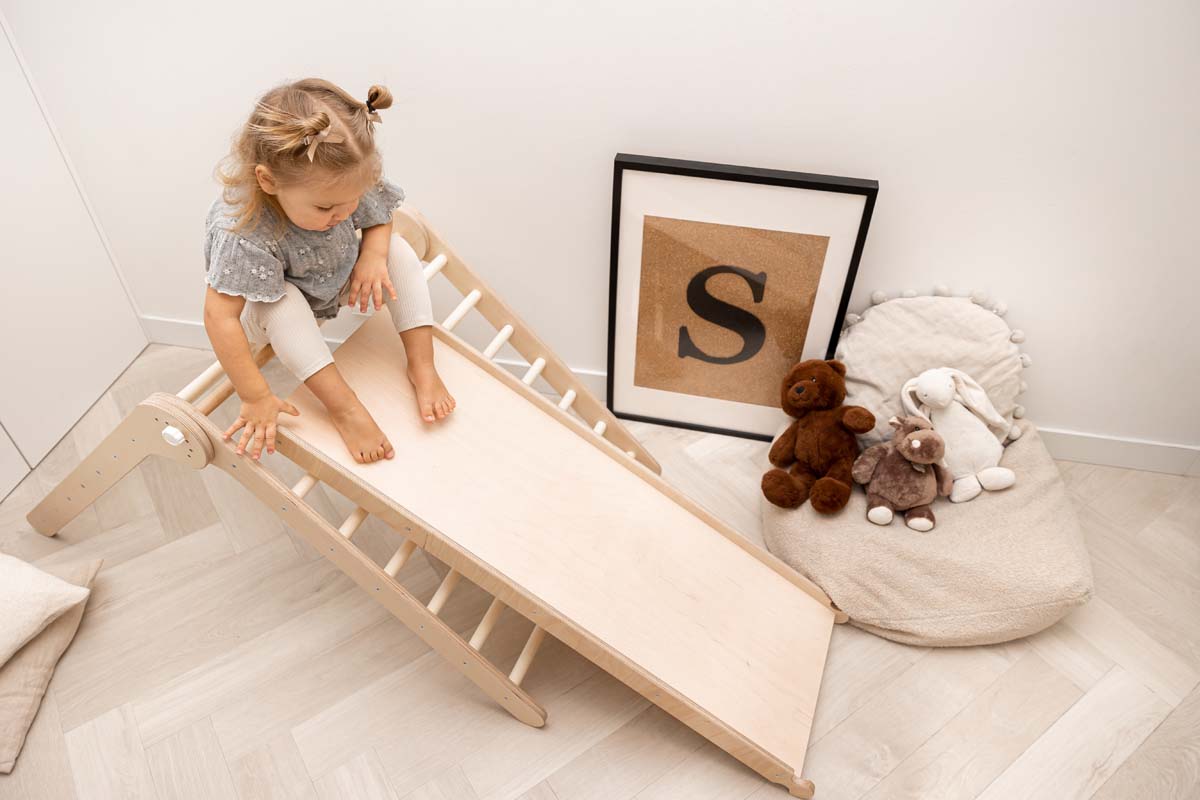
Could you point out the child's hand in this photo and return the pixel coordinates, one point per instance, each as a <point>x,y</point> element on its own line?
<point>258,418</point>
<point>369,279</point>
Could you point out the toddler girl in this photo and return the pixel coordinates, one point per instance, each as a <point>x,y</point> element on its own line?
<point>281,254</point>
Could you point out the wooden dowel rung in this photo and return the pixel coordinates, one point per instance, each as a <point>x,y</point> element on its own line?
<point>304,485</point>
<point>534,370</point>
<point>495,345</point>
<point>461,310</point>
<point>352,522</point>
<point>399,558</point>
<point>225,388</point>
<point>484,630</point>
<point>526,658</point>
<point>201,382</point>
<point>443,591</point>
<point>567,399</point>
<point>600,427</point>
<point>435,266</point>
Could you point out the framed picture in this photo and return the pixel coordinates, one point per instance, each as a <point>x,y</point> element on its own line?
<point>722,278</point>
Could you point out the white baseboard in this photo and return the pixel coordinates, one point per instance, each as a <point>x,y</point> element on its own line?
<point>1090,448</point>
<point>1116,451</point>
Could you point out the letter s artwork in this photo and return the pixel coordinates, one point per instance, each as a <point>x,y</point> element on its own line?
<point>718,312</point>
<point>723,310</point>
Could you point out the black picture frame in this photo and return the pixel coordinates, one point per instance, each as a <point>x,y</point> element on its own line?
<point>869,189</point>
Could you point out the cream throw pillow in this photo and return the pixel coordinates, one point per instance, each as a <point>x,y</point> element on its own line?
<point>29,601</point>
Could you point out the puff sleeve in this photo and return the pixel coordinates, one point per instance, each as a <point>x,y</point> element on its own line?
<point>238,266</point>
<point>376,206</point>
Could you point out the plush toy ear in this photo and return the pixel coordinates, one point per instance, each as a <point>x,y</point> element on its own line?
<point>975,398</point>
<point>910,401</point>
<point>837,366</point>
<point>896,423</point>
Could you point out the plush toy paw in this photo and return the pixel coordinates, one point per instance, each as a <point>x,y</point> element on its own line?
<point>996,478</point>
<point>919,519</point>
<point>781,490</point>
<point>880,515</point>
<point>965,488</point>
<point>829,495</point>
<point>858,420</point>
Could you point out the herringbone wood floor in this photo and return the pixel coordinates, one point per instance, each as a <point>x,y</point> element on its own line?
<point>221,658</point>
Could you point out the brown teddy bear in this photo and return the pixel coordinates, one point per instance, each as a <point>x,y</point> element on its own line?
<point>905,474</point>
<point>815,454</point>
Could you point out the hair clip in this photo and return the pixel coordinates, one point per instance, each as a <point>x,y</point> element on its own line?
<point>372,114</point>
<point>323,136</point>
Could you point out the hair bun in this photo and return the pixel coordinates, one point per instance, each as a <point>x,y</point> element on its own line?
<point>378,97</point>
<point>315,123</point>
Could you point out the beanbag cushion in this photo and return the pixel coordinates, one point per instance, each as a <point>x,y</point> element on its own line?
<point>1005,565</point>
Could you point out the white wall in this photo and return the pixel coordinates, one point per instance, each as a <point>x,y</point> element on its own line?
<point>67,329</point>
<point>1045,151</point>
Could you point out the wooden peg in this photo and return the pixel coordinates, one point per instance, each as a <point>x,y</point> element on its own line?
<point>495,345</point>
<point>600,427</point>
<point>535,369</point>
<point>526,658</point>
<point>352,522</point>
<point>567,399</point>
<point>435,266</point>
<point>487,623</point>
<point>202,382</point>
<point>399,558</point>
<point>459,312</point>
<point>443,591</point>
<point>304,485</point>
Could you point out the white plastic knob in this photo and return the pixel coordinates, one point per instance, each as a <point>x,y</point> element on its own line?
<point>173,436</point>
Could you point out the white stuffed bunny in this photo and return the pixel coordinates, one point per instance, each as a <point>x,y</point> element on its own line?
<point>973,430</point>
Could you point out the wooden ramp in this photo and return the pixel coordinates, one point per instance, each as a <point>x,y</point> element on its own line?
<point>562,518</point>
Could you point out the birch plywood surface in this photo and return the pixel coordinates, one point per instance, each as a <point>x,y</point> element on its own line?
<point>589,539</point>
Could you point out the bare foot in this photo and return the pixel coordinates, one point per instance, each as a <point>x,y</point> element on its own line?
<point>433,399</point>
<point>360,433</point>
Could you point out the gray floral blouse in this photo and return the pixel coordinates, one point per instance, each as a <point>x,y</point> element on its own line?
<point>255,263</point>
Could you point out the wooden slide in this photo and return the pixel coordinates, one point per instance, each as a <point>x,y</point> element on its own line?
<point>549,505</point>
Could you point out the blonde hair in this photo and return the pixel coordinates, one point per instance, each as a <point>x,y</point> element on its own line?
<point>279,134</point>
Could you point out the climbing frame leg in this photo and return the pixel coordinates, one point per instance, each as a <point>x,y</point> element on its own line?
<point>153,427</point>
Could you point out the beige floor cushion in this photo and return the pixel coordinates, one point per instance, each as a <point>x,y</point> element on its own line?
<point>25,676</point>
<point>1002,566</point>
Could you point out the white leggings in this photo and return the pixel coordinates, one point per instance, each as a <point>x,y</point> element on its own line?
<point>290,327</point>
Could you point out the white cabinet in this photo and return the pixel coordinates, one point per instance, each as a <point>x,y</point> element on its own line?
<point>67,328</point>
